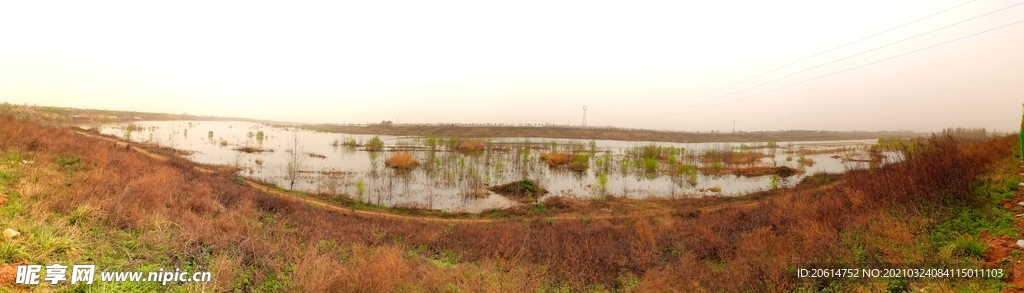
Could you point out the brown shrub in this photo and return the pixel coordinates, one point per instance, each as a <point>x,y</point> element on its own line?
<point>471,146</point>
<point>310,272</point>
<point>375,270</point>
<point>401,160</point>
<point>644,246</point>
<point>225,269</point>
<point>556,158</point>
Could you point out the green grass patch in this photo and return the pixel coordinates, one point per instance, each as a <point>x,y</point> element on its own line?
<point>972,220</point>
<point>10,252</point>
<point>985,214</point>
<point>375,144</point>
<point>282,190</point>
<point>964,246</point>
<point>649,164</point>
<point>580,161</point>
<point>358,204</point>
<point>497,214</point>
<point>70,162</point>
<point>540,208</point>
<point>447,259</point>
<point>519,189</point>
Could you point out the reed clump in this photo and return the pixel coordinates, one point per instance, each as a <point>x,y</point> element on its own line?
<point>523,190</point>
<point>556,158</point>
<point>806,161</point>
<point>580,162</point>
<point>402,160</point>
<point>732,157</point>
<point>375,144</point>
<point>253,149</point>
<point>471,146</point>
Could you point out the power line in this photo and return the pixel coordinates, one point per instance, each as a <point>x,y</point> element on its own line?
<point>852,68</point>
<point>850,43</point>
<point>815,55</point>
<point>844,58</point>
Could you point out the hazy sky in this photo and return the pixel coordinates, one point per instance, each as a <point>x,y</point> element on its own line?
<point>662,65</point>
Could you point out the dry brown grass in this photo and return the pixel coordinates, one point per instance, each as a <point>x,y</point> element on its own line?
<point>556,158</point>
<point>401,160</point>
<point>566,203</point>
<point>471,146</point>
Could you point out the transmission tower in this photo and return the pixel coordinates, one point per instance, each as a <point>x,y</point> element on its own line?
<point>584,116</point>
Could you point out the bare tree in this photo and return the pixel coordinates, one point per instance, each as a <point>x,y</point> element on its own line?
<point>172,139</point>
<point>296,158</point>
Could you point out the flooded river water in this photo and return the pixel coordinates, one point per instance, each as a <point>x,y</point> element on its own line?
<point>452,180</point>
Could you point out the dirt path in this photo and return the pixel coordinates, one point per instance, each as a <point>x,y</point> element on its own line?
<point>647,212</point>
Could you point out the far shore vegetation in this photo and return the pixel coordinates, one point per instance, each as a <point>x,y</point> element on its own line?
<point>91,117</point>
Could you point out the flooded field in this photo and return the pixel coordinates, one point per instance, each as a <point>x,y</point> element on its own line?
<point>453,175</point>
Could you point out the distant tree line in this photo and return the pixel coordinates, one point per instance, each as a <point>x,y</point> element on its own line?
<point>967,134</point>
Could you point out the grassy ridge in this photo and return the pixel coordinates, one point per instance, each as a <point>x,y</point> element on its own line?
<point>124,210</point>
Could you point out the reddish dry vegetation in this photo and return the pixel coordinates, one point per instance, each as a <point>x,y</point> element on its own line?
<point>471,146</point>
<point>250,238</point>
<point>401,160</point>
